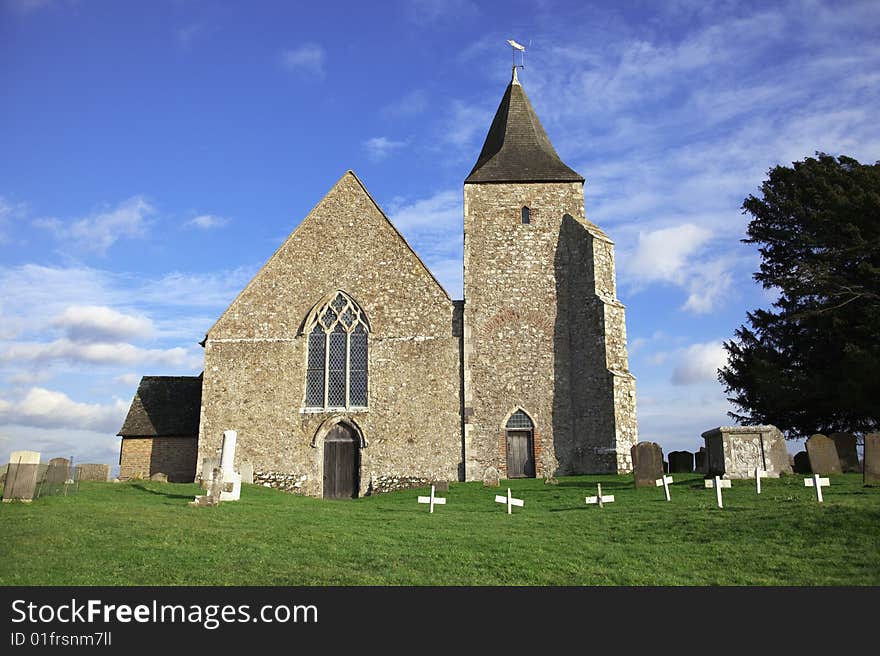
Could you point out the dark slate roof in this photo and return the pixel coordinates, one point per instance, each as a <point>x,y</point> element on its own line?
<point>164,405</point>
<point>517,149</point>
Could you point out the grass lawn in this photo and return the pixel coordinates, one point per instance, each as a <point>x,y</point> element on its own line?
<point>143,533</point>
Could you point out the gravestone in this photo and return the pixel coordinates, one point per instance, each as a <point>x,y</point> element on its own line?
<point>647,459</point>
<point>845,443</point>
<point>159,477</point>
<point>247,472</point>
<point>58,471</point>
<point>207,473</point>
<point>491,477</point>
<point>700,460</point>
<point>736,451</point>
<point>802,463</point>
<point>872,459</point>
<point>823,455</point>
<point>94,472</point>
<point>21,476</point>
<point>681,462</point>
<point>441,486</point>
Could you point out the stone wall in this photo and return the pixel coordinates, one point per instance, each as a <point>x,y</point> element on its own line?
<point>543,331</point>
<point>255,355</point>
<point>141,457</point>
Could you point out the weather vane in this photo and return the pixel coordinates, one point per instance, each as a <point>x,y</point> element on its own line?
<point>522,49</point>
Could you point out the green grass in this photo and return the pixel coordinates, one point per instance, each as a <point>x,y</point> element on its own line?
<point>143,533</point>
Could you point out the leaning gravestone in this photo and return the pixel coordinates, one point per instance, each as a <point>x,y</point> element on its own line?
<point>736,451</point>
<point>21,476</point>
<point>823,455</point>
<point>491,477</point>
<point>647,459</point>
<point>94,472</point>
<point>802,463</point>
<point>58,471</point>
<point>845,443</point>
<point>681,462</point>
<point>872,459</point>
<point>246,469</point>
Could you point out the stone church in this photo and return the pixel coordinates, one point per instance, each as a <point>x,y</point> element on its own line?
<point>344,365</point>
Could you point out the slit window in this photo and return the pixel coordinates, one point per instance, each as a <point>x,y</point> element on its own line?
<point>526,215</point>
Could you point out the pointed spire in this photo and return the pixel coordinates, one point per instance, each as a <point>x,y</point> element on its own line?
<point>517,148</point>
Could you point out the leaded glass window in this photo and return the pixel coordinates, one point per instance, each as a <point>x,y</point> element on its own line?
<point>519,420</point>
<point>337,361</point>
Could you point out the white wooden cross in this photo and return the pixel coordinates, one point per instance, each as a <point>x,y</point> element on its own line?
<point>608,498</point>
<point>509,500</point>
<point>717,483</point>
<point>759,474</point>
<point>665,481</point>
<point>432,500</point>
<point>818,483</point>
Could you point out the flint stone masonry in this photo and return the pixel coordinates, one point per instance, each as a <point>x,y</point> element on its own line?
<point>845,443</point>
<point>94,472</point>
<point>823,455</point>
<point>543,331</point>
<point>255,354</point>
<point>647,458</point>
<point>390,483</point>
<point>281,481</point>
<point>736,451</point>
<point>871,474</point>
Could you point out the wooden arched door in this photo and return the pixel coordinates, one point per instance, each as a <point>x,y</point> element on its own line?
<point>341,463</point>
<point>520,446</point>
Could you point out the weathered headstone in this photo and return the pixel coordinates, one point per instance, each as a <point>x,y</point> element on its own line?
<point>21,476</point>
<point>207,473</point>
<point>823,455</point>
<point>681,462</point>
<point>441,486</point>
<point>159,477</point>
<point>58,471</point>
<point>491,477</point>
<point>647,458</point>
<point>700,460</point>
<point>735,451</point>
<point>599,498</point>
<point>845,443</point>
<point>510,501</point>
<point>246,470</point>
<point>802,463</point>
<point>432,500</point>
<point>94,472</point>
<point>225,482</point>
<point>872,459</point>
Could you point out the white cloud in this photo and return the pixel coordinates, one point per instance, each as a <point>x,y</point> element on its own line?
<point>95,323</point>
<point>207,221</point>
<point>663,255</point>
<point>98,353</point>
<point>128,379</point>
<point>100,231</point>
<point>378,148</point>
<point>308,58</point>
<point>442,211</point>
<point>43,408</point>
<point>699,363</point>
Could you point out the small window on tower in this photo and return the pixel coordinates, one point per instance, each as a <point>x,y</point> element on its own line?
<point>526,215</point>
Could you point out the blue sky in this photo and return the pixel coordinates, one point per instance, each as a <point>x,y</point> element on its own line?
<point>154,155</point>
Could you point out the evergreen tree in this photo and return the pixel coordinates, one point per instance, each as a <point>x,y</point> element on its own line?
<point>812,364</point>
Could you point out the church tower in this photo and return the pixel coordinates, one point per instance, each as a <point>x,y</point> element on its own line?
<point>547,387</point>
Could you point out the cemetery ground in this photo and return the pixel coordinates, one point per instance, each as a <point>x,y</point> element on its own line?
<point>143,533</point>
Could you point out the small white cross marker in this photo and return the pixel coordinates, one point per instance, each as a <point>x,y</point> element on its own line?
<point>509,500</point>
<point>717,483</point>
<point>432,500</point>
<point>759,474</point>
<point>608,498</point>
<point>665,481</point>
<point>818,483</point>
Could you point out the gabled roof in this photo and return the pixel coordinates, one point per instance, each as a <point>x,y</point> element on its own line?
<point>517,148</point>
<point>164,406</point>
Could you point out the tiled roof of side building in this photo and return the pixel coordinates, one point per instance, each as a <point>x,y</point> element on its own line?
<point>164,406</point>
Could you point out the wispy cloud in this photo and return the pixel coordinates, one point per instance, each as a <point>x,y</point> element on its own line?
<point>44,408</point>
<point>207,221</point>
<point>426,12</point>
<point>698,363</point>
<point>28,6</point>
<point>308,58</point>
<point>412,104</point>
<point>98,353</point>
<point>98,232</point>
<point>95,323</point>
<point>187,34</point>
<point>379,148</point>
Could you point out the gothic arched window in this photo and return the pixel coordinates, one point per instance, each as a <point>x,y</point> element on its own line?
<point>336,369</point>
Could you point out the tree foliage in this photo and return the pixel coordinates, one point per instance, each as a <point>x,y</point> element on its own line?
<point>812,363</point>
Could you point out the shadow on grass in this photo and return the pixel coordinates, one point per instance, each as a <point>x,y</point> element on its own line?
<point>606,485</point>
<point>143,488</point>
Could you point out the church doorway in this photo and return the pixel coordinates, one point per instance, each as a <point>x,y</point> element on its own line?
<point>520,446</point>
<point>341,463</point>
